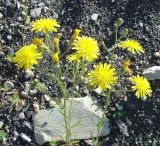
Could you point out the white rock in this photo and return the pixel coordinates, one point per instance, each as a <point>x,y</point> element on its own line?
<point>35,13</point>
<point>46,97</point>
<point>33,92</point>
<point>98,90</point>
<point>24,94</point>
<point>28,74</point>
<point>94,16</point>
<point>152,73</point>
<point>27,86</point>
<point>1,124</point>
<point>8,85</point>
<point>25,137</point>
<point>52,103</point>
<point>48,123</point>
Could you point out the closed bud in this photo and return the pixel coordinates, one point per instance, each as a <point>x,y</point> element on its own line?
<point>55,41</point>
<point>125,32</point>
<point>55,57</point>
<point>119,22</point>
<point>75,34</point>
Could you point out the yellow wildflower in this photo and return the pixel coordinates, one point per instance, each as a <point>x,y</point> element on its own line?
<point>26,57</point>
<point>132,45</point>
<point>141,86</point>
<point>55,57</point>
<point>37,41</point>
<point>75,34</point>
<point>86,48</point>
<point>126,65</point>
<point>45,25</point>
<point>102,76</point>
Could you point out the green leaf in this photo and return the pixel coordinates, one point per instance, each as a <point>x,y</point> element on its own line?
<point>76,124</point>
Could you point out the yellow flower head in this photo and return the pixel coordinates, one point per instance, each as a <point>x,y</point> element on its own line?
<point>55,57</point>
<point>37,41</point>
<point>86,48</point>
<point>102,76</point>
<point>141,86</point>
<point>75,34</point>
<point>126,65</point>
<point>45,25</point>
<point>26,57</point>
<point>132,45</point>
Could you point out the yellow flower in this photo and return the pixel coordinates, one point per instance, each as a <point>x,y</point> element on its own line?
<point>86,48</point>
<point>37,41</point>
<point>126,65</point>
<point>141,86</point>
<point>45,25</point>
<point>102,76</point>
<point>75,34</point>
<point>132,45</point>
<point>55,57</point>
<point>26,57</point>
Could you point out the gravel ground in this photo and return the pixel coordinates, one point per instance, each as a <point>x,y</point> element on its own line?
<point>140,120</point>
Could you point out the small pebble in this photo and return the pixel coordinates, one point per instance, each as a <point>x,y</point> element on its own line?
<point>25,137</point>
<point>119,106</point>
<point>98,90</point>
<point>21,116</point>
<point>1,15</point>
<point>24,94</point>
<point>8,85</point>
<point>36,106</point>
<point>46,97</point>
<point>27,87</point>
<point>1,124</point>
<point>29,74</point>
<point>2,54</point>
<point>33,92</point>
<point>9,37</point>
<point>29,114</point>
<point>94,16</point>
<point>156,54</point>
<point>52,103</point>
<point>35,13</point>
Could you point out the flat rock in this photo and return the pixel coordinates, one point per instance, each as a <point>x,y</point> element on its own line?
<point>48,124</point>
<point>152,73</point>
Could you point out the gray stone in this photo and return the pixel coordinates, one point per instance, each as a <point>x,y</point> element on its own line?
<point>1,124</point>
<point>46,97</point>
<point>21,116</point>
<point>156,54</point>
<point>9,37</point>
<point>25,137</point>
<point>24,94</point>
<point>33,92</point>
<point>48,124</point>
<point>94,16</point>
<point>52,103</point>
<point>8,85</point>
<point>152,73</point>
<point>29,114</point>
<point>1,15</point>
<point>27,86</point>
<point>35,13</point>
<point>123,127</point>
<point>2,54</point>
<point>29,74</point>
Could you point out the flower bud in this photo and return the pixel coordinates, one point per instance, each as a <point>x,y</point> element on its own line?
<point>55,41</point>
<point>125,32</point>
<point>75,34</point>
<point>55,57</point>
<point>119,22</point>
